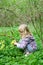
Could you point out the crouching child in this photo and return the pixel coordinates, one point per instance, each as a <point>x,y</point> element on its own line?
<point>27,41</point>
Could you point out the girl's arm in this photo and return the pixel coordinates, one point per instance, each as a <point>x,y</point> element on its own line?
<point>22,43</point>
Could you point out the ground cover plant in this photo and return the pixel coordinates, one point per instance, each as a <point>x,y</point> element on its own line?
<point>11,55</point>
<point>12,14</point>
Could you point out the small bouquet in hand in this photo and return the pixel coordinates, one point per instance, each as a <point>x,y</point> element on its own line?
<point>13,42</point>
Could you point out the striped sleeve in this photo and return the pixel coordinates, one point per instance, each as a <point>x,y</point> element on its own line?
<point>23,43</point>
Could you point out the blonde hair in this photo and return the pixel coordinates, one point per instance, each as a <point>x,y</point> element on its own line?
<point>24,27</point>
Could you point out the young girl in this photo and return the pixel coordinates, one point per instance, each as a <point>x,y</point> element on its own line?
<point>27,41</point>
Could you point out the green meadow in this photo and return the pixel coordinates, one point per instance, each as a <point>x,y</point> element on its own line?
<point>11,55</point>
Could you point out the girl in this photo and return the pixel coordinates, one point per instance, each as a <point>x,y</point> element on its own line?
<point>27,41</point>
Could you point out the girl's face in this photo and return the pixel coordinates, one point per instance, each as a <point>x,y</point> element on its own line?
<point>22,33</point>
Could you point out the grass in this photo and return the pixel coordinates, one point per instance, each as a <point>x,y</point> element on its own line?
<point>11,55</point>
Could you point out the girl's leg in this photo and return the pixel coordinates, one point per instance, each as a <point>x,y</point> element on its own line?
<point>30,49</point>
<point>27,54</point>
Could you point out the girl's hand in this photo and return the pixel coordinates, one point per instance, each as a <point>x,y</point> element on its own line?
<point>15,44</point>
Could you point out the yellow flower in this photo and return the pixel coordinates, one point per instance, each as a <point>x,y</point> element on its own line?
<point>2,44</point>
<point>13,41</point>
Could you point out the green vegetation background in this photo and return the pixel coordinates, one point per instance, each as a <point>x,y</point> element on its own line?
<point>11,55</point>
<point>13,13</point>
<point>21,11</point>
